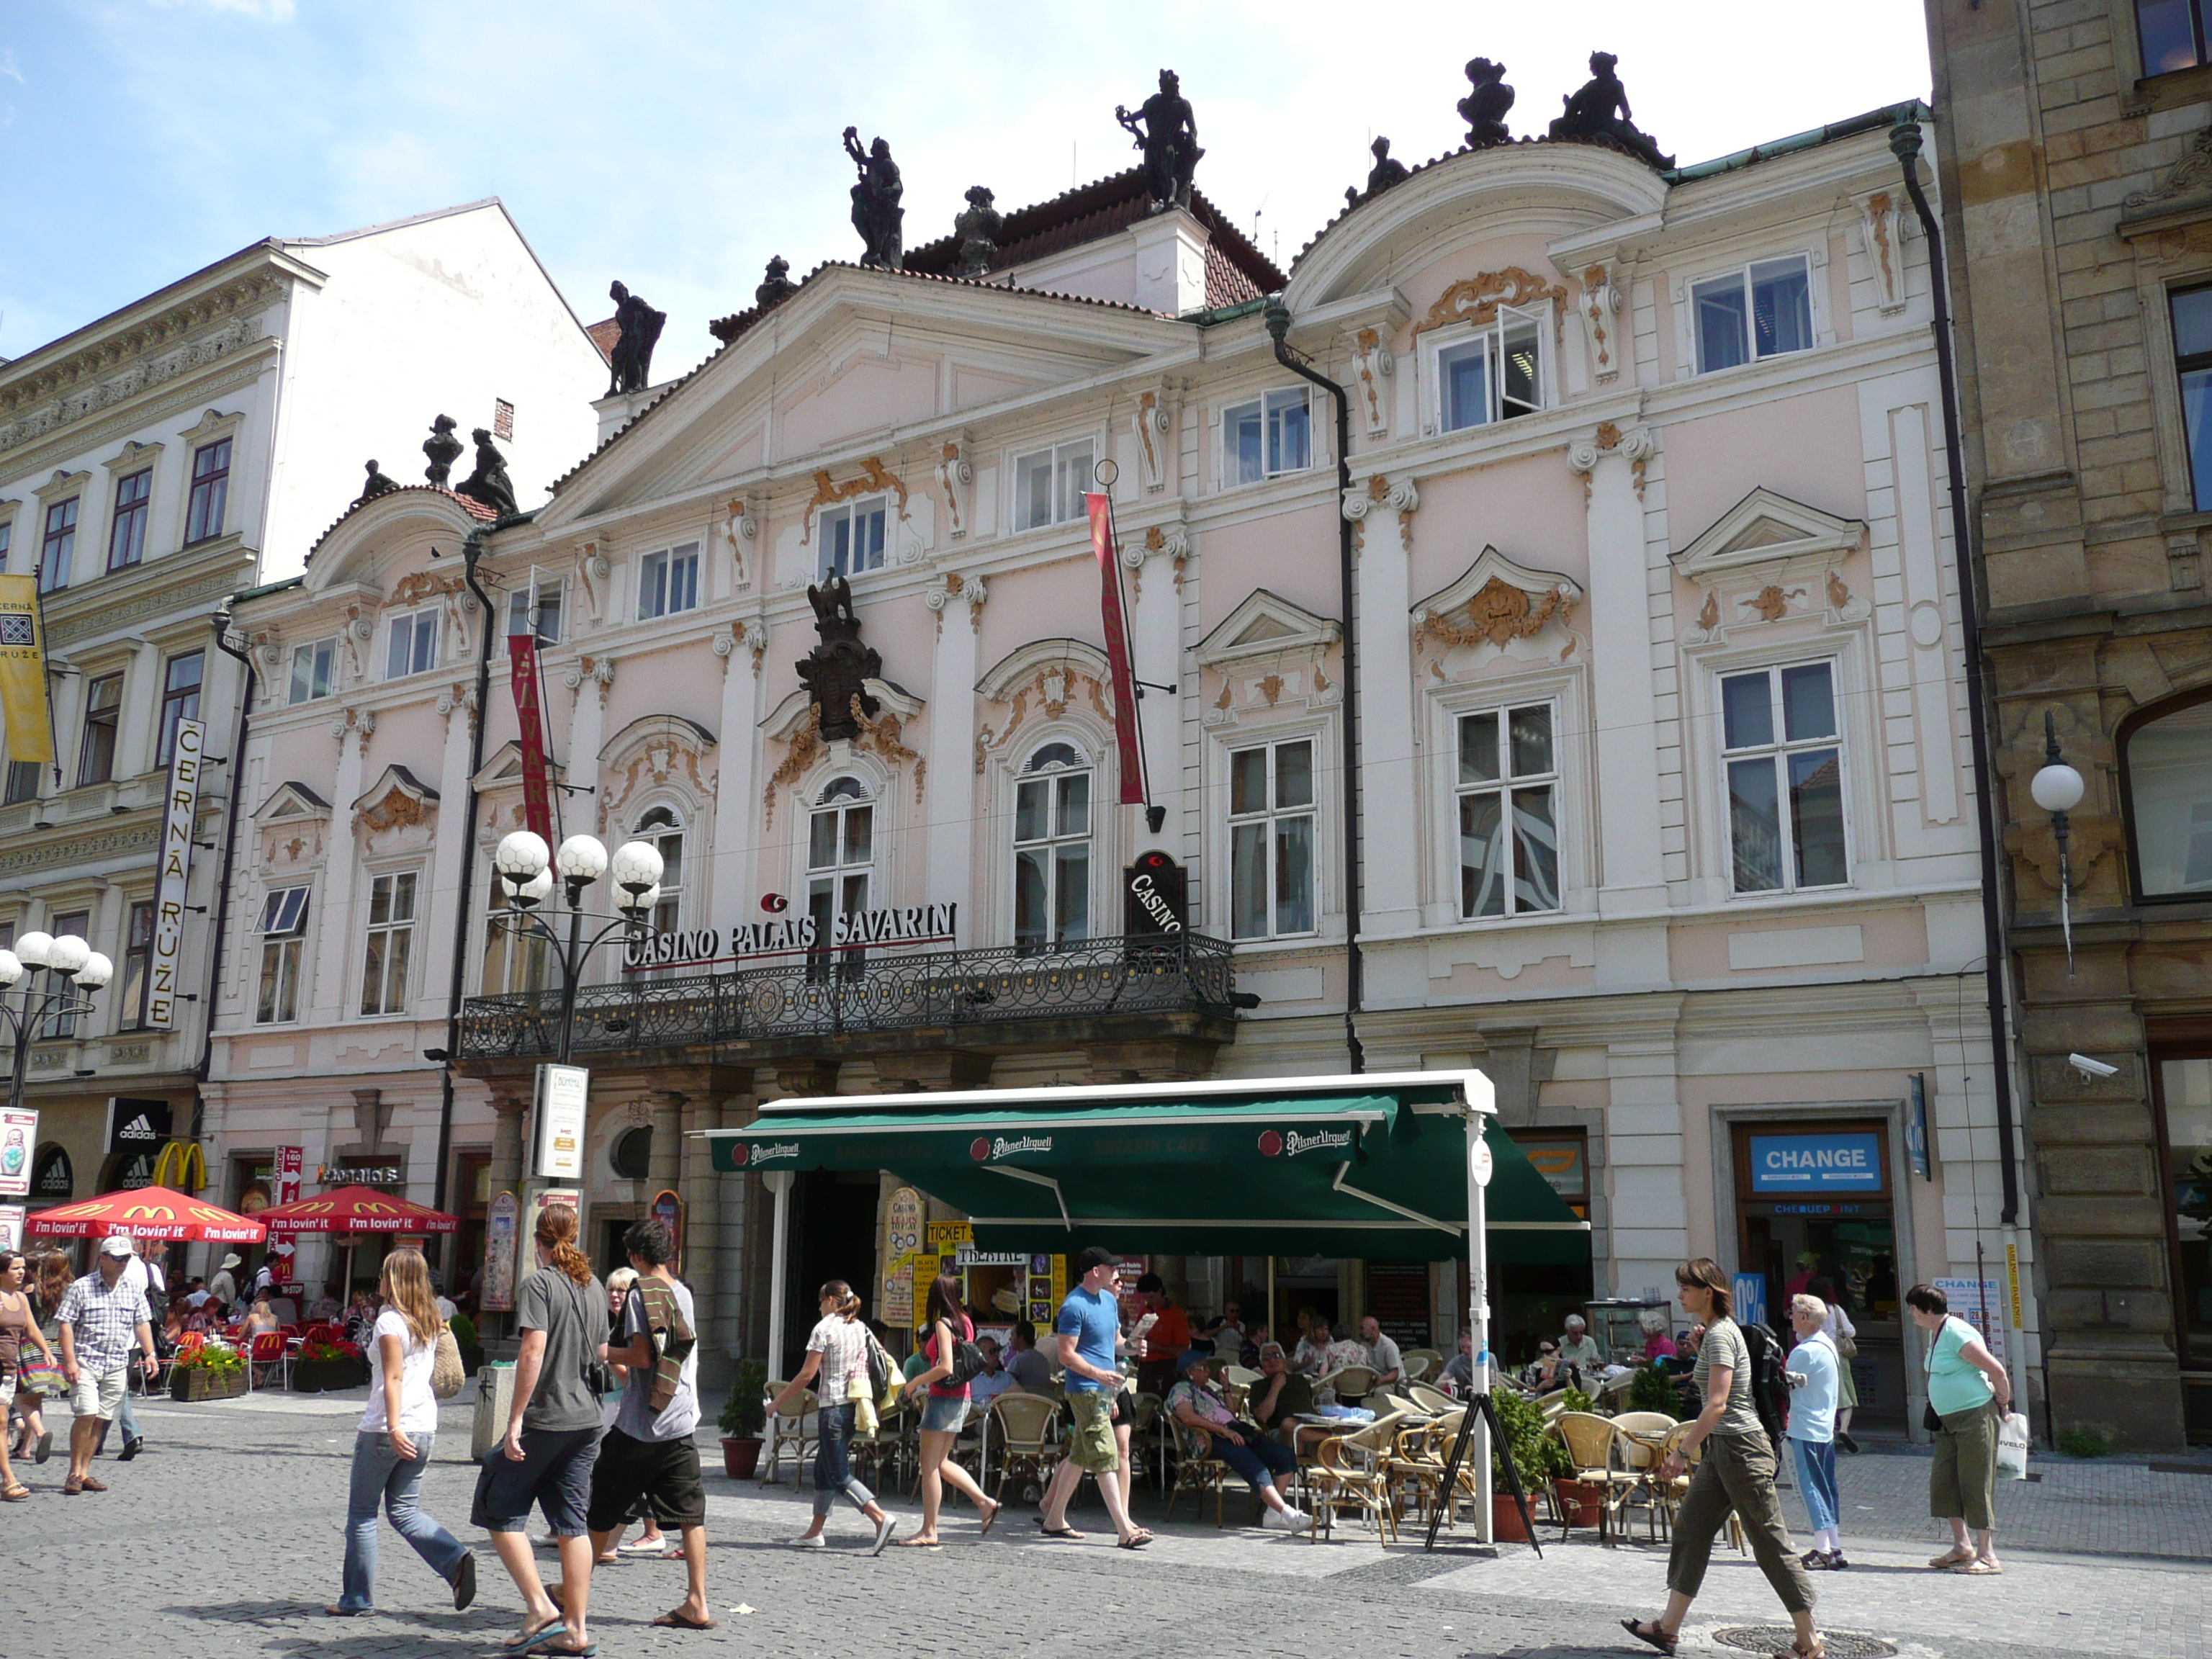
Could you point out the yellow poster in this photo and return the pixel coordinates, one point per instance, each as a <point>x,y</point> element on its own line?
<point>23,671</point>
<point>898,1292</point>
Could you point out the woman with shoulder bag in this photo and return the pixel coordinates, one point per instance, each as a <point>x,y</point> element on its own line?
<point>1845,1336</point>
<point>836,1357</point>
<point>392,1448</point>
<point>47,1280</point>
<point>946,1411</point>
<point>18,1330</point>
<point>1968,1395</point>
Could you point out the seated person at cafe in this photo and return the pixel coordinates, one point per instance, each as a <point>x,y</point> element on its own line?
<point>1227,1334</point>
<point>263,1318</point>
<point>1381,1353</point>
<point>1031,1370</point>
<point>994,1379</point>
<point>1459,1370</point>
<point>1168,1340</point>
<point>1580,1349</point>
<point>196,1294</point>
<point>1657,1344</point>
<point>1206,1420</point>
<point>1320,1355</point>
<point>323,1308</point>
<point>1281,1394</point>
<point>1550,1370</point>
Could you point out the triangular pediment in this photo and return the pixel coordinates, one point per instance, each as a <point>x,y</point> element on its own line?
<point>504,770</point>
<point>1766,528</point>
<point>1264,624</point>
<point>291,801</point>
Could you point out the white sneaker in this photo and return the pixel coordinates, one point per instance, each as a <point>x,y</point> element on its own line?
<point>816,1541</point>
<point>1299,1520</point>
<point>1279,1520</point>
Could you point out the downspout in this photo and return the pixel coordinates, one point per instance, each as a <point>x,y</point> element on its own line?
<point>214,986</point>
<point>471,550</point>
<point>1278,319</point>
<point>1905,142</point>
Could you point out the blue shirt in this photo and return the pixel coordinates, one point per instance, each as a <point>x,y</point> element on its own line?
<point>1812,1403</point>
<point>1093,1318</point>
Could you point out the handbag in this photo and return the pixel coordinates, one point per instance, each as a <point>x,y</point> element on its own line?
<point>1930,1420</point>
<point>42,1376</point>
<point>446,1372</point>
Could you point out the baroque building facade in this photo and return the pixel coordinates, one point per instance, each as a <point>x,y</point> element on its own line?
<point>1664,808</point>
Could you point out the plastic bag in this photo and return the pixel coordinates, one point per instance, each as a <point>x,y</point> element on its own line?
<point>2012,1447</point>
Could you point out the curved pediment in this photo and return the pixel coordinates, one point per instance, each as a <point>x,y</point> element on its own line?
<point>1018,667</point>
<point>1498,603</point>
<point>402,524</point>
<point>397,800</point>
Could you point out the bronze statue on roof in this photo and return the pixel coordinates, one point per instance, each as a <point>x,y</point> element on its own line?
<point>1484,108</point>
<point>877,213</point>
<point>1168,138</point>
<point>1599,109</point>
<point>378,484</point>
<point>488,484</point>
<point>443,448</point>
<point>1386,172</point>
<point>630,363</point>
<point>978,229</point>
<point>776,287</point>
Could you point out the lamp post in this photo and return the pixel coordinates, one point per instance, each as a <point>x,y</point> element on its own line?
<point>526,870</point>
<point>57,976</point>
<point>2057,788</point>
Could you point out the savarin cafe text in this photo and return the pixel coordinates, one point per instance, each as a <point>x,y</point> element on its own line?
<point>704,947</point>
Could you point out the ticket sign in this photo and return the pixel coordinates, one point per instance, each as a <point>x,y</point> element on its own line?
<point>562,1090</point>
<point>1847,1163</point>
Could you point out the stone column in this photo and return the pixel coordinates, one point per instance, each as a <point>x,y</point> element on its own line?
<point>714,1260</point>
<point>509,1110</point>
<point>1644,1144</point>
<point>741,649</point>
<point>1382,511</point>
<point>335,893</point>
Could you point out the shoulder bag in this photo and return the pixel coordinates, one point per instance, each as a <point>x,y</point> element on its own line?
<point>446,1372</point>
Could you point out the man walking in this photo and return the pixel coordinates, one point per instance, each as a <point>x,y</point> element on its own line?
<point>98,1316</point>
<point>145,1272</point>
<point>1089,1331</point>
<point>649,1453</point>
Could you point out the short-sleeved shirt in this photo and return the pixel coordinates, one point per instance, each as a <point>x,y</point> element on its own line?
<point>1955,1383</point>
<point>1031,1369</point>
<point>1383,1354</point>
<point>223,1288</point>
<point>105,1321</point>
<point>1724,1345</point>
<point>1204,1404</point>
<point>637,1418</point>
<point>1093,1318</point>
<point>573,1317</point>
<point>1170,1333</point>
<point>1583,1353</point>
<point>1296,1395</point>
<point>419,1405</point>
<point>990,1385</point>
<point>844,1344</point>
<point>1812,1403</point>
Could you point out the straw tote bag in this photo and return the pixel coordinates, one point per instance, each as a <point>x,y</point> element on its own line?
<point>446,1375</point>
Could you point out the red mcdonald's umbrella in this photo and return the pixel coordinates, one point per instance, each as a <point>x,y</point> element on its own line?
<point>355,1209</point>
<point>144,1213</point>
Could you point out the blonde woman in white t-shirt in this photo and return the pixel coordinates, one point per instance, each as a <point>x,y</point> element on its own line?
<point>392,1448</point>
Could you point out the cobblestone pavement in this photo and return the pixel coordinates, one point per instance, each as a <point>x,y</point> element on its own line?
<point>226,1538</point>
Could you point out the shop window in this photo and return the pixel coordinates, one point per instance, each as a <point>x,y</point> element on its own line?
<point>2166,771</point>
<point>391,941</point>
<point>314,670</point>
<point>668,581</point>
<point>1052,849</point>
<point>1508,793</point>
<point>1785,779</point>
<point>1049,485</point>
<point>2173,34</point>
<point>851,537</point>
<point>2185,1091</point>
<point>180,699</point>
<point>1762,311</point>
<point>126,531</point>
<point>103,708</point>
<point>204,512</point>
<point>1271,840</point>
<point>1270,435</point>
<point>284,936</point>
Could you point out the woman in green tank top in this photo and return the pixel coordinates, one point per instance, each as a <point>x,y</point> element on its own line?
<point>1968,1395</point>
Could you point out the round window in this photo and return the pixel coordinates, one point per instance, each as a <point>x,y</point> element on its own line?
<point>633,1153</point>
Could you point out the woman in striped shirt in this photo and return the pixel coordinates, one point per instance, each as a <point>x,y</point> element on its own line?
<point>836,1352</point>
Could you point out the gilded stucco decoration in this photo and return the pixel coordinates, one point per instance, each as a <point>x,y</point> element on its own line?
<point>1373,365</point>
<point>802,748</point>
<point>955,478</point>
<point>1151,425</point>
<point>397,810</point>
<point>1496,604</point>
<point>1600,300</point>
<point>1377,493</point>
<point>1769,558</point>
<point>1636,446</point>
<point>667,754</point>
<point>1881,221</point>
<point>873,479</point>
<point>881,736</point>
<point>1476,299</point>
<point>1041,680</point>
<point>1267,654</point>
<point>739,529</point>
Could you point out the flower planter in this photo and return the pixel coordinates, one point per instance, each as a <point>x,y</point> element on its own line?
<point>328,1376</point>
<point>199,1383</point>
<point>1505,1519</point>
<point>1580,1505</point>
<point>741,1458</point>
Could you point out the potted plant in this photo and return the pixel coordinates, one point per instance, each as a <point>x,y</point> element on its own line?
<point>745,1415</point>
<point>215,1371</point>
<point>325,1367</point>
<point>464,1337</point>
<point>1534,1458</point>
<point>1654,1390</point>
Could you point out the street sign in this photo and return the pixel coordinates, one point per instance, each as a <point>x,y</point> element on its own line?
<point>561,1094</point>
<point>179,825</point>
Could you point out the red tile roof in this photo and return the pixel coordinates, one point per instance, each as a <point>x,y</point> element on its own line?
<point>604,335</point>
<point>476,509</point>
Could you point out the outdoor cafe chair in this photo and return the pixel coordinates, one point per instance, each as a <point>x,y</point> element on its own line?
<point>1197,1469</point>
<point>1350,1471</point>
<point>1350,1384</point>
<point>1595,1448</point>
<point>789,1427</point>
<point>1668,1494</point>
<point>1430,1400</point>
<point>1415,1465</point>
<point>270,1353</point>
<point>1418,1363</point>
<point>1025,1439</point>
<point>878,1458</point>
<point>1643,1433</point>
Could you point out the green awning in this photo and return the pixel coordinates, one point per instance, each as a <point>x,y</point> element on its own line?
<point>1376,1171</point>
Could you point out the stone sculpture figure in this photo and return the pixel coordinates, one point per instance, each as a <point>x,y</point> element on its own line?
<point>836,670</point>
<point>1168,138</point>
<point>630,364</point>
<point>776,287</point>
<point>488,484</point>
<point>877,213</point>
<point>1386,172</point>
<point>443,448</point>
<point>978,230</point>
<point>378,484</point>
<point>1484,108</point>
<point>1599,109</point>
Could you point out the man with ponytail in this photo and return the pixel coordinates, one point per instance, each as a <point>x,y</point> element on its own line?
<point>552,1438</point>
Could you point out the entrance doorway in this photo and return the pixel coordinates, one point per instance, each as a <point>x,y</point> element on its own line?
<point>833,1235</point>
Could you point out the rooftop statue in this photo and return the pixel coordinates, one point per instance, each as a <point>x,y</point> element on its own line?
<point>1484,108</point>
<point>877,213</point>
<point>488,484</point>
<point>1168,138</point>
<point>978,230</point>
<point>630,364</point>
<point>378,484</point>
<point>777,286</point>
<point>1385,173</point>
<point>1599,109</point>
<point>443,448</point>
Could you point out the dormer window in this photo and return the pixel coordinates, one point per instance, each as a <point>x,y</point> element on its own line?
<point>852,538</point>
<point>1493,376</point>
<point>1049,485</point>
<point>1269,437</point>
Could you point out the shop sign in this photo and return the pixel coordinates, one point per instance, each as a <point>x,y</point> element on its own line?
<point>1155,895</point>
<point>498,1293</point>
<point>54,1177</point>
<point>967,1256</point>
<point>922,1275</point>
<point>1046,1290</point>
<point>180,822</point>
<point>343,1175</point>
<point>1846,1163</point>
<point>668,1210</point>
<point>138,1126</point>
<point>1750,1296</point>
<point>291,1162</point>
<point>19,1138</point>
<point>1563,1163</point>
<point>1981,1303</point>
<point>901,1224</point>
<point>561,1093</point>
<point>861,930</point>
<point>11,1225</point>
<point>945,1237</point>
<point>1916,1128</point>
<point>542,1199</point>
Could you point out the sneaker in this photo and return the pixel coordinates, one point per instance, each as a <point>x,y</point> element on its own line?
<point>884,1528</point>
<point>1280,1520</point>
<point>131,1448</point>
<point>644,1547</point>
<point>816,1541</point>
<point>1299,1520</point>
<point>1844,1440</point>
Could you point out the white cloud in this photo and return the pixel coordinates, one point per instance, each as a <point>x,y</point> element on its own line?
<point>7,66</point>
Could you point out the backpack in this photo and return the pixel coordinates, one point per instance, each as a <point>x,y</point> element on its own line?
<point>673,1341</point>
<point>967,1361</point>
<point>1770,1389</point>
<point>882,1375</point>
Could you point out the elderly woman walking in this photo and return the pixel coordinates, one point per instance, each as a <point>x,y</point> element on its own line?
<point>1736,1473</point>
<point>1813,1366</point>
<point>1968,1395</point>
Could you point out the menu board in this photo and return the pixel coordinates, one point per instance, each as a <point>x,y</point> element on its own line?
<point>1398,1296</point>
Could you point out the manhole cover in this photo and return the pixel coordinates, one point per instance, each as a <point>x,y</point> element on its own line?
<point>1777,1638</point>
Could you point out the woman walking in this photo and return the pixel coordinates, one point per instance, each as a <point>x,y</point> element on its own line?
<point>1968,1395</point>
<point>1845,1336</point>
<point>836,1353</point>
<point>652,1540</point>
<point>1813,1365</point>
<point>1736,1472</point>
<point>18,1331</point>
<point>51,1274</point>
<point>947,1410</point>
<point>392,1447</point>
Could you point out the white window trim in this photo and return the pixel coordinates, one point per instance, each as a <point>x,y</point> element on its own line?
<point>698,552</point>
<point>558,586</point>
<point>1328,760</point>
<point>410,989</point>
<point>297,937</point>
<point>1502,703</point>
<point>1089,764</point>
<point>882,789</point>
<point>685,825</point>
<point>336,657</point>
<point>1438,341</point>
<point>1567,691</point>
<point>1097,440</point>
<point>410,618</point>
<point>1816,256</point>
<point>1222,481</point>
<point>850,510</point>
<point>1851,735</point>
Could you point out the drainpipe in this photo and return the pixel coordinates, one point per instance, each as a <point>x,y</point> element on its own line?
<point>1905,142</point>
<point>213,988</point>
<point>1277,318</point>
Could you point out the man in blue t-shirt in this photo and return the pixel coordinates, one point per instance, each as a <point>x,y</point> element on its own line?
<point>1089,1332</point>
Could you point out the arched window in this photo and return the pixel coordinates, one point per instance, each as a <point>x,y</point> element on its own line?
<point>2166,770</point>
<point>1052,849</point>
<point>631,1155</point>
<point>841,854</point>
<point>661,827</point>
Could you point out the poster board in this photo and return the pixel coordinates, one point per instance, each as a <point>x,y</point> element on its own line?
<point>896,1308</point>
<point>500,1226</point>
<point>19,1138</point>
<point>1982,1303</point>
<point>557,1146</point>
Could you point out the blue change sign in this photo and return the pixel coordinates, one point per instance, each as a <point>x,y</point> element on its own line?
<point>1847,1163</point>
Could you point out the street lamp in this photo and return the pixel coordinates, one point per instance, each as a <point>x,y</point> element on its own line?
<point>2057,788</point>
<point>526,870</point>
<point>57,976</point>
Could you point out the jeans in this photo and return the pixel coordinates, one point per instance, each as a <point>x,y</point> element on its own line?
<point>1816,1478</point>
<point>379,1472</point>
<point>1259,1460</point>
<point>125,1419</point>
<point>833,1469</point>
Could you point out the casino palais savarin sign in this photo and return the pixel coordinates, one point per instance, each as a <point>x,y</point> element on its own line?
<point>791,935</point>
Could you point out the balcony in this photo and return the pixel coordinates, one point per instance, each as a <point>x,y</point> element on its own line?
<point>878,1001</point>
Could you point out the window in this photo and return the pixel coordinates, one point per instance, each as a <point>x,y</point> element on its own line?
<point>180,700</point>
<point>1785,781</point>
<point>2166,770</point>
<point>668,581</point>
<point>1764,311</point>
<point>661,828</point>
<point>2192,351</point>
<point>1494,376</point>
<point>390,937</point>
<point>1052,850</point>
<point>1271,435</point>
<point>630,1159</point>
<point>2183,1093</point>
<point>840,859</point>
<point>126,534</point>
<point>103,706</point>
<point>7,539</point>
<point>138,962</point>
<point>413,647</point>
<point>1049,485</point>
<point>1271,840</point>
<point>514,960</point>
<point>210,491</point>
<point>59,548</point>
<point>78,922</point>
<point>314,669</point>
<point>851,539</point>
<point>1508,788</point>
<point>2173,34</point>
<point>22,782</point>
<point>549,597</point>
<point>283,934</point>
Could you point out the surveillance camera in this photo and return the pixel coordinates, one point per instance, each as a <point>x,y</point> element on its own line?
<point>2090,1068</point>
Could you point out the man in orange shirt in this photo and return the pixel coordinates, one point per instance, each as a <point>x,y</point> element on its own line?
<point>1165,1342</point>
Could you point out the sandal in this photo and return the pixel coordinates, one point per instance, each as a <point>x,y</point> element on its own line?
<point>984,1531</point>
<point>1979,1568</point>
<point>1950,1558</point>
<point>1818,1650</point>
<point>1651,1633</point>
<point>1062,1531</point>
<point>1136,1541</point>
<point>15,1491</point>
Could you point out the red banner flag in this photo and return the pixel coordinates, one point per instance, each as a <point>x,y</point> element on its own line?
<point>536,803</point>
<point>1135,786</point>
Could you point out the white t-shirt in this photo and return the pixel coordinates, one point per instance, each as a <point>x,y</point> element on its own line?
<point>418,1406</point>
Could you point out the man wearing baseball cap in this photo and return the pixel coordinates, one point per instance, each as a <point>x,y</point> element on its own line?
<point>98,1316</point>
<point>1088,1332</point>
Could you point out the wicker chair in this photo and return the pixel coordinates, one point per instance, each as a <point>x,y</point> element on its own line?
<point>884,1459</point>
<point>1419,1362</point>
<point>1021,1438</point>
<point>1350,1470</point>
<point>1642,1457</point>
<point>1350,1384</point>
<point>1668,1494</point>
<point>1197,1470</point>
<point>793,1427</point>
<point>1436,1404</point>
<point>1596,1449</point>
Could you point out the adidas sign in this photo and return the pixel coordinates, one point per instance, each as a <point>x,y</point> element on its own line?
<point>139,1128</point>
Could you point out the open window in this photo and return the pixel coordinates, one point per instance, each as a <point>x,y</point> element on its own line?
<point>1494,374</point>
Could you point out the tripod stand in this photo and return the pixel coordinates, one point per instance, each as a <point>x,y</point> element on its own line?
<point>1481,1402</point>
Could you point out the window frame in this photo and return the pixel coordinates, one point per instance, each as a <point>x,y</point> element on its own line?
<point>57,543</point>
<point>1050,776</point>
<point>1266,402</point>
<point>2130,20</point>
<point>208,499</point>
<point>323,659</point>
<point>129,519</point>
<point>669,557</point>
<point>416,621</point>
<point>660,824</point>
<point>281,945</point>
<point>555,592</point>
<point>1319,763</point>
<point>1552,778</point>
<point>523,956</point>
<point>1015,520</point>
<point>10,792</point>
<point>1491,337</point>
<point>174,699</point>
<point>1740,273</point>
<point>848,513</point>
<point>2123,736</point>
<point>386,930</point>
<point>137,963</point>
<point>840,873</point>
<point>58,1026</point>
<point>1776,750</point>
<point>97,720</point>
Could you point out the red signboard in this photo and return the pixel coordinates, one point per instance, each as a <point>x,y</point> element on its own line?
<point>1129,740</point>
<point>536,803</point>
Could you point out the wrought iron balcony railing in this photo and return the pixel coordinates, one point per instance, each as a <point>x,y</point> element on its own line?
<point>832,995</point>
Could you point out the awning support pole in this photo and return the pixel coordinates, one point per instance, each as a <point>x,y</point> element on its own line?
<point>1478,1321</point>
<point>778,1183</point>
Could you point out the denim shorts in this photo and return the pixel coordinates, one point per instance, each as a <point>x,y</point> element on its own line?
<point>555,1474</point>
<point>943,1416</point>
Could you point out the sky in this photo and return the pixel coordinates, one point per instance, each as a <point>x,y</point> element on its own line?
<point>677,146</point>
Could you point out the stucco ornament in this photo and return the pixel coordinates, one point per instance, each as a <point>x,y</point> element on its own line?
<point>1882,222</point>
<point>835,671</point>
<point>1373,363</point>
<point>1400,497</point>
<point>874,477</point>
<point>956,478</point>
<point>1152,422</point>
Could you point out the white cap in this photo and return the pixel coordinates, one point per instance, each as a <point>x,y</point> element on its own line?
<point>117,1244</point>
